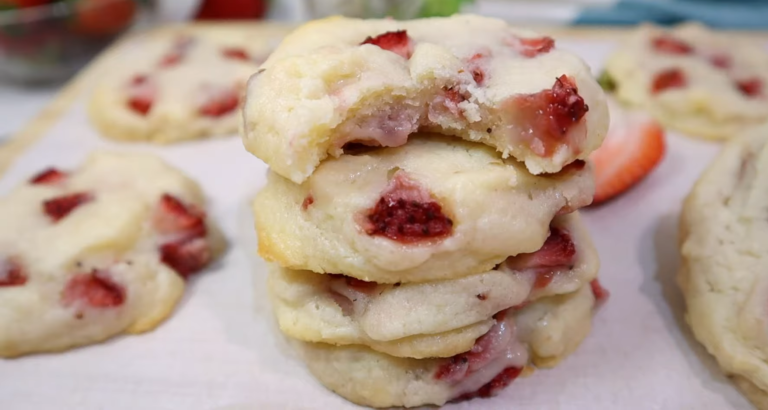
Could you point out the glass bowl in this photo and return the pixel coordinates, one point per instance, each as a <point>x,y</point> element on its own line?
<point>51,42</point>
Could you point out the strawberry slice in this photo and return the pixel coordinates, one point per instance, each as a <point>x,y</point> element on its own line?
<point>95,289</point>
<point>219,102</point>
<point>633,147</point>
<point>11,273</point>
<point>397,42</point>
<point>59,207</point>
<point>235,54</point>
<point>751,87</point>
<point>186,256</point>
<point>174,217</point>
<point>48,176</point>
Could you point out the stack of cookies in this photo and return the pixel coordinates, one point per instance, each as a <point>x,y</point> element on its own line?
<point>420,214</point>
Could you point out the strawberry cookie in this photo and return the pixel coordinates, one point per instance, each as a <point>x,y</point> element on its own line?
<point>706,84</point>
<point>99,251</point>
<point>341,81</point>
<point>180,86</point>
<point>539,334</point>
<point>435,208</point>
<point>724,274</point>
<point>430,319</point>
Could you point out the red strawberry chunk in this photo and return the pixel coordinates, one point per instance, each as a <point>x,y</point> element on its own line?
<point>308,201</point>
<point>48,176</point>
<point>532,47</point>
<point>11,273</point>
<point>59,207</point>
<point>557,252</point>
<point>220,102</point>
<point>549,115</point>
<point>493,387</point>
<point>406,213</point>
<point>141,94</point>
<point>668,79</point>
<point>174,217</point>
<point>601,294</point>
<point>186,256</point>
<point>171,59</point>
<point>140,105</point>
<point>177,52</point>
<point>397,42</point>
<point>95,289</point>
<point>669,45</point>
<point>236,54</point>
<point>476,68</point>
<point>751,87</point>
<point>720,61</point>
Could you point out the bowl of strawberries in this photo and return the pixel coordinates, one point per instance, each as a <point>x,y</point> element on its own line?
<point>50,40</point>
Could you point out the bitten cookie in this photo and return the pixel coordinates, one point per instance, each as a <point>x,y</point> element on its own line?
<point>706,84</point>
<point>99,251</point>
<point>436,208</point>
<point>724,274</point>
<point>179,85</point>
<point>545,331</point>
<point>430,319</point>
<point>338,81</point>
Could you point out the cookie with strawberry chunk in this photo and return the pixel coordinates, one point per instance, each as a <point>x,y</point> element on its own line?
<point>694,80</point>
<point>375,82</point>
<point>102,250</point>
<point>430,319</point>
<point>178,85</point>
<point>724,272</point>
<point>539,334</point>
<point>436,208</point>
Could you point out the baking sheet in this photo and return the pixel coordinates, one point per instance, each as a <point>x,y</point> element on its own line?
<point>221,349</point>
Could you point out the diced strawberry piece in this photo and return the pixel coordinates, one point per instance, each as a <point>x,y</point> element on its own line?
<point>558,251</point>
<point>601,294</point>
<point>498,383</point>
<point>48,176</point>
<point>543,278</point>
<point>406,213</point>
<point>140,105</point>
<point>633,147</point>
<point>454,369</point>
<point>177,53</point>
<point>397,42</point>
<point>59,207</point>
<point>220,102</point>
<point>141,94</point>
<point>95,289</point>
<point>236,54</point>
<point>720,61</point>
<point>174,217</point>
<point>549,115</point>
<point>669,45</point>
<point>139,79</point>
<point>186,256</point>
<point>532,47</point>
<point>667,79</point>
<point>476,69</point>
<point>751,87</point>
<point>171,59</point>
<point>309,200</point>
<point>11,273</point>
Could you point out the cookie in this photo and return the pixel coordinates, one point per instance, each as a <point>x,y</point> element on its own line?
<point>436,208</point>
<point>694,80</point>
<point>338,81</point>
<point>102,250</point>
<point>547,331</point>
<point>724,262</point>
<point>179,86</point>
<point>429,319</point>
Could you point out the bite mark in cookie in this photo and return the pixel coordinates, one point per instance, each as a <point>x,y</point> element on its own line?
<point>397,42</point>
<point>95,289</point>
<point>548,119</point>
<point>11,273</point>
<point>407,213</point>
<point>59,207</point>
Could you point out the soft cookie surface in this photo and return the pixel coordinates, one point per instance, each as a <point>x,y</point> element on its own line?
<point>339,80</point>
<point>724,276</point>
<point>435,208</point>
<point>102,250</point>
<point>706,84</point>
<point>546,331</point>
<point>180,85</point>
<point>429,319</point>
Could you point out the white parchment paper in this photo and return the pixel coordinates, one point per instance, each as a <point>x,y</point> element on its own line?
<point>221,350</point>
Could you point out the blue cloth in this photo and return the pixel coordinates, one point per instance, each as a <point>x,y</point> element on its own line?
<point>736,14</point>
